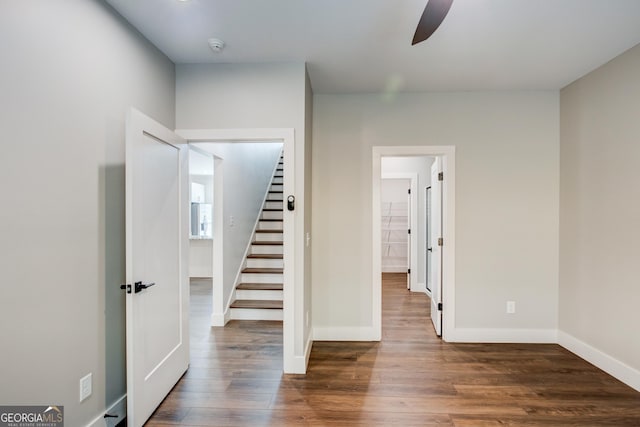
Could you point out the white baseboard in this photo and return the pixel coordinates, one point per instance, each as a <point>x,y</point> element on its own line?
<point>300,363</point>
<point>480,335</point>
<point>362,333</point>
<point>220,319</point>
<point>420,287</point>
<point>119,408</point>
<point>610,365</point>
<point>307,349</point>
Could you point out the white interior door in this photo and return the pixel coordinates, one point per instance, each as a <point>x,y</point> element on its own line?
<point>436,248</point>
<point>157,227</point>
<point>428,248</point>
<point>409,254</point>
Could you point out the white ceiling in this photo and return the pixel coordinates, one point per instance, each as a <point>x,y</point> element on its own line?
<point>365,45</point>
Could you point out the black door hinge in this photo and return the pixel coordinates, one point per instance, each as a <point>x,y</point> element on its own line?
<point>439,306</point>
<point>408,271</point>
<point>441,176</point>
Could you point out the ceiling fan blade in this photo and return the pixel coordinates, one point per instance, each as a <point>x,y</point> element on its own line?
<point>433,15</point>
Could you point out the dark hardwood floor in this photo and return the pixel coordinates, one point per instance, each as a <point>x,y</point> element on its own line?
<point>410,378</point>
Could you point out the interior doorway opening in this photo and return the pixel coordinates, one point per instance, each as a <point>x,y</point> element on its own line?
<point>431,251</point>
<point>222,268</point>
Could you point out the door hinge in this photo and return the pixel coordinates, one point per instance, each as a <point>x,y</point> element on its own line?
<point>441,176</point>
<point>408,271</point>
<point>439,306</point>
<point>409,191</point>
<point>409,231</point>
<point>440,241</point>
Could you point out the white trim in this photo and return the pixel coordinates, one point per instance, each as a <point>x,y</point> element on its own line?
<point>500,335</point>
<point>602,360</point>
<point>220,319</point>
<point>290,327</point>
<point>447,153</point>
<point>219,316</point>
<point>300,363</point>
<point>339,333</point>
<point>118,408</point>
<point>421,287</point>
<point>413,184</point>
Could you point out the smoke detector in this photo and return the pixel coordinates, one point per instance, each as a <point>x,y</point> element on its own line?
<point>216,45</point>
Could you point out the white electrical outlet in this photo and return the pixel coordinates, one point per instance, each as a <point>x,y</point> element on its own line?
<point>511,307</point>
<point>85,387</point>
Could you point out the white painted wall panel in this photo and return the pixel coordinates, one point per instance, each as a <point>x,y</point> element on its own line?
<point>70,70</point>
<point>507,158</point>
<point>600,210</point>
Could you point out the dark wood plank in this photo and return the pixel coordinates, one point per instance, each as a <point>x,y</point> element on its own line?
<point>260,286</point>
<point>263,270</point>
<point>254,303</point>
<point>265,256</point>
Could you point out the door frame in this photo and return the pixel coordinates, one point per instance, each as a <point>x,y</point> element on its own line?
<point>290,288</point>
<point>447,154</point>
<point>413,223</point>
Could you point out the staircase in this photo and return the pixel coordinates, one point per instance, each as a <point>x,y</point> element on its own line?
<point>258,296</point>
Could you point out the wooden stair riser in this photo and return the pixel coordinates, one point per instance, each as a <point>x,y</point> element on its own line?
<point>276,187</point>
<point>272,215</point>
<point>277,180</point>
<point>255,314</point>
<point>273,205</point>
<point>266,249</point>
<point>264,263</point>
<point>274,197</point>
<point>261,278</point>
<point>269,237</point>
<point>270,225</point>
<point>259,295</point>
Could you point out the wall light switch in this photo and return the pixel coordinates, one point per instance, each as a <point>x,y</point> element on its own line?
<point>511,307</point>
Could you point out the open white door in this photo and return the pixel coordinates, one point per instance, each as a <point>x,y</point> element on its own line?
<point>157,230</point>
<point>409,222</point>
<point>436,247</point>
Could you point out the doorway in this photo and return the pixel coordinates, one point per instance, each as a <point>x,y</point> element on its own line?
<point>400,219</point>
<point>446,157</point>
<point>291,329</point>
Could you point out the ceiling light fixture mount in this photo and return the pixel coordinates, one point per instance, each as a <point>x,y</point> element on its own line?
<point>216,45</point>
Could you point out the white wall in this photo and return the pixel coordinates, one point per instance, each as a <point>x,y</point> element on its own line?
<point>257,96</point>
<point>305,309</point>
<point>247,170</point>
<point>422,167</point>
<point>600,216</point>
<point>507,159</point>
<point>200,258</point>
<point>70,71</point>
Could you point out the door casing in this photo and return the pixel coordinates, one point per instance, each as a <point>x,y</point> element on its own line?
<point>291,329</point>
